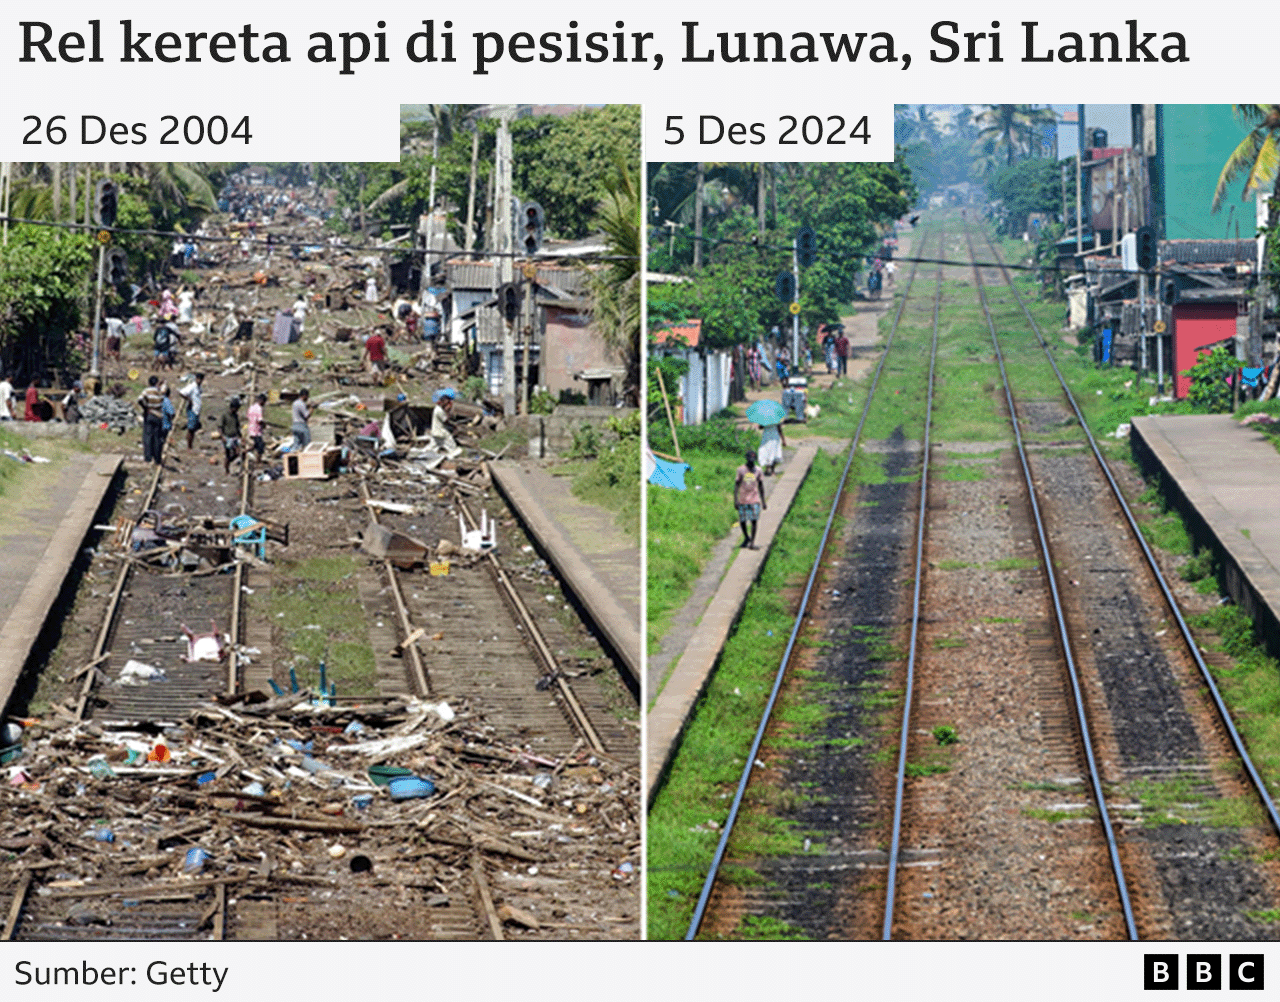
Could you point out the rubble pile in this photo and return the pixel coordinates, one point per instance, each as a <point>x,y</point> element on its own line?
<point>287,792</point>
<point>118,415</point>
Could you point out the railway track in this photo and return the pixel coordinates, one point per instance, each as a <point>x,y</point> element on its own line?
<point>709,883</point>
<point>1090,705</point>
<point>493,652</point>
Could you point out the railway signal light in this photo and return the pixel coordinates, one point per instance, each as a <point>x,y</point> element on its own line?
<point>806,246</point>
<point>785,286</point>
<point>1146,248</point>
<point>106,198</point>
<point>534,223</point>
<point>117,266</point>
<point>1169,292</point>
<point>509,301</point>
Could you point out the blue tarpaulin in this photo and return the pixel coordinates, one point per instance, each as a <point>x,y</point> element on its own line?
<point>668,474</point>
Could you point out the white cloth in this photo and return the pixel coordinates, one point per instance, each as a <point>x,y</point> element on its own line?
<point>193,396</point>
<point>185,301</point>
<point>770,446</point>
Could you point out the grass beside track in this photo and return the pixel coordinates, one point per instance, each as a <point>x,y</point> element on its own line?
<point>684,823</point>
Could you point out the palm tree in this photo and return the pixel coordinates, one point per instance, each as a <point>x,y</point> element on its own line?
<point>615,287</point>
<point>1258,158</point>
<point>1010,128</point>
<point>177,191</point>
<point>1258,155</point>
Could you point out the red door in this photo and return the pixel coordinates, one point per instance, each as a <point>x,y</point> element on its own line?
<point>1198,327</point>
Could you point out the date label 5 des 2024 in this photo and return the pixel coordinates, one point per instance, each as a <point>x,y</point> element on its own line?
<point>175,130</point>
<point>790,130</point>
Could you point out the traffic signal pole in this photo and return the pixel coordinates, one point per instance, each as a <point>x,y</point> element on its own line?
<point>97,315</point>
<point>1142,323</point>
<point>795,314</point>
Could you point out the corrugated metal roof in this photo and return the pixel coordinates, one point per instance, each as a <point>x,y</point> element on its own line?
<point>463,274</point>
<point>1208,251</point>
<point>689,332</point>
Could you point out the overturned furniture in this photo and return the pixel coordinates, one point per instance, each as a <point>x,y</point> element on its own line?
<point>402,550</point>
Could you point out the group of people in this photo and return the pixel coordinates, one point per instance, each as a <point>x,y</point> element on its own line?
<point>835,349</point>
<point>33,408</point>
<point>159,416</point>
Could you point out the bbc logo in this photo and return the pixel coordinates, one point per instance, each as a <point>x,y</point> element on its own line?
<point>1204,972</point>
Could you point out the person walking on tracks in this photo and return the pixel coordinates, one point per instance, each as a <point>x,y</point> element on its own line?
<point>257,420</point>
<point>167,415</point>
<point>301,415</point>
<point>152,403</point>
<point>229,428</point>
<point>748,495</point>
<point>193,394</point>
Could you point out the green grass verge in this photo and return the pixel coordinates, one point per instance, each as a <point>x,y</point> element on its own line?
<point>713,751</point>
<point>317,609</point>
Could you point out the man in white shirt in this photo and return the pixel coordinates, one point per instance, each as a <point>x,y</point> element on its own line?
<point>6,399</point>
<point>193,394</point>
<point>299,312</point>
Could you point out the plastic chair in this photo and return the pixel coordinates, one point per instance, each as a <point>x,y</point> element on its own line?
<point>248,531</point>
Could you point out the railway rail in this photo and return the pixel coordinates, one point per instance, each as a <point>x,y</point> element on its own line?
<point>709,883</point>
<point>1109,740</point>
<point>498,656</point>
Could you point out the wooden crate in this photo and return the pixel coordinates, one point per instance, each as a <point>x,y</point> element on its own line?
<point>317,461</point>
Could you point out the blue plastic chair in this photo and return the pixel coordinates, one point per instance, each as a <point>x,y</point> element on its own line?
<point>248,531</point>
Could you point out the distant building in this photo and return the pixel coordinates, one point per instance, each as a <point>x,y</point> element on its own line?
<point>1191,144</point>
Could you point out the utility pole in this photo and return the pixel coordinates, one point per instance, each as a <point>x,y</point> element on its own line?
<point>1142,324</point>
<point>504,264</point>
<point>471,192</point>
<point>530,313</point>
<point>697,216</point>
<point>760,203</point>
<point>1079,201</point>
<point>4,197</point>
<point>795,313</point>
<point>97,314</point>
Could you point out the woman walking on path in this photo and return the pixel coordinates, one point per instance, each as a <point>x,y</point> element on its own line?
<point>771,442</point>
<point>748,495</point>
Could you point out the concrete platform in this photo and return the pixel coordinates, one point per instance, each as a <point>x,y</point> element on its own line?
<point>1223,478</point>
<point>39,554</point>
<point>587,549</point>
<point>666,720</point>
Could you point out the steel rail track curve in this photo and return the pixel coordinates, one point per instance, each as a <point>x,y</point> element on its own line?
<point>1223,712</point>
<point>1095,779</point>
<point>900,782</point>
<point>700,909</point>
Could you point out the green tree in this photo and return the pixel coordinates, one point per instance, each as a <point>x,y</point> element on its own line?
<point>1020,189</point>
<point>565,163</point>
<point>44,286</point>
<point>1008,130</point>
<point>615,286</point>
<point>1209,390</point>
